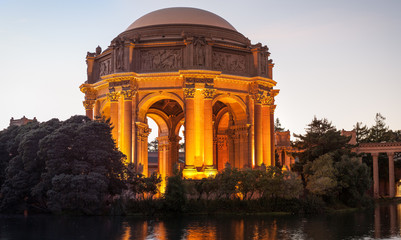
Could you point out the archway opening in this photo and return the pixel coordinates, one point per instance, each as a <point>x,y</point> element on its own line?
<point>230,134</point>
<point>165,119</point>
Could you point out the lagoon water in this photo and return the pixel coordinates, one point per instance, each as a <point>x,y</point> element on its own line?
<point>383,222</point>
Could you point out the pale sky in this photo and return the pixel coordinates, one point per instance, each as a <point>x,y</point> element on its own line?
<point>339,60</point>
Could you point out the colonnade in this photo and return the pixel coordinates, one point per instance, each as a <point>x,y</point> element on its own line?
<point>247,139</point>
<point>375,149</point>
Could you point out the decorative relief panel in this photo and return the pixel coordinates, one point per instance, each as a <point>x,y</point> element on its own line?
<point>169,59</point>
<point>222,142</point>
<point>105,67</point>
<point>263,63</point>
<point>228,62</point>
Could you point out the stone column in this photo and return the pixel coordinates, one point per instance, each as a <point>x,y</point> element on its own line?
<point>189,170</point>
<point>251,133</point>
<point>222,153</point>
<point>90,100</point>
<point>272,138</point>
<point>280,157</point>
<point>174,153</point>
<point>258,134</point>
<point>127,128</point>
<point>375,175</point>
<point>391,174</point>
<point>142,147</point>
<point>237,148</point>
<point>113,98</point>
<point>215,151</point>
<point>88,104</point>
<point>267,160</point>
<point>208,94</point>
<point>244,161</point>
<point>163,156</point>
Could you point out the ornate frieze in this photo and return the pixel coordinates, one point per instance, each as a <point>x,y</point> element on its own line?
<point>228,62</point>
<point>161,59</point>
<point>105,67</point>
<point>209,82</point>
<point>119,83</point>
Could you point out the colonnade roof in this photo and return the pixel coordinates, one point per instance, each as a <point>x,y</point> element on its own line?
<point>379,147</point>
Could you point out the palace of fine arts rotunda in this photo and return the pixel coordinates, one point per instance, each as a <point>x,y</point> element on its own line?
<point>189,68</point>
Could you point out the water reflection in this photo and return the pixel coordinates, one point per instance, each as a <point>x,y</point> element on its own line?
<point>387,220</point>
<point>382,222</point>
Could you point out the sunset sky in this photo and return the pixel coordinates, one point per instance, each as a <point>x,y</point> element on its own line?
<point>339,60</point>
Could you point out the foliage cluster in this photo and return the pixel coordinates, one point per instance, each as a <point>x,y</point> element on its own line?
<point>70,166</point>
<point>329,170</point>
<point>249,190</point>
<point>379,132</point>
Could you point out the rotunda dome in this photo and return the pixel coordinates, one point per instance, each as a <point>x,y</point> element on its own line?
<point>181,16</point>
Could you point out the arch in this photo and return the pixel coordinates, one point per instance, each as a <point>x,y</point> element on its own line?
<point>147,101</point>
<point>160,119</point>
<point>179,124</point>
<point>235,104</point>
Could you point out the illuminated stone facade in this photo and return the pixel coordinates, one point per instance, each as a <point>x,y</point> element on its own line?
<point>185,66</point>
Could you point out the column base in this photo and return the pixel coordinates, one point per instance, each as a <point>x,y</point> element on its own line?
<point>210,171</point>
<point>189,172</point>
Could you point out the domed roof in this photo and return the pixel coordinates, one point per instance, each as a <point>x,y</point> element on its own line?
<point>181,15</point>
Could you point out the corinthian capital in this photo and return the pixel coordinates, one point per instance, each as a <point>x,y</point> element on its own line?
<point>128,94</point>
<point>189,92</point>
<point>88,104</point>
<point>113,96</point>
<point>209,93</point>
<point>267,100</point>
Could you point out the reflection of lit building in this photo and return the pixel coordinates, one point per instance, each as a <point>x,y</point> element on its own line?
<point>185,67</point>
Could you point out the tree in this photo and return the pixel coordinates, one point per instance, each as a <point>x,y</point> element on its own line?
<point>151,185</point>
<point>24,169</point>
<point>82,167</point>
<point>362,132</point>
<point>321,138</point>
<point>227,181</point>
<point>153,146</point>
<point>247,182</point>
<point>175,192</point>
<point>379,131</point>
<point>353,178</point>
<point>320,176</point>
